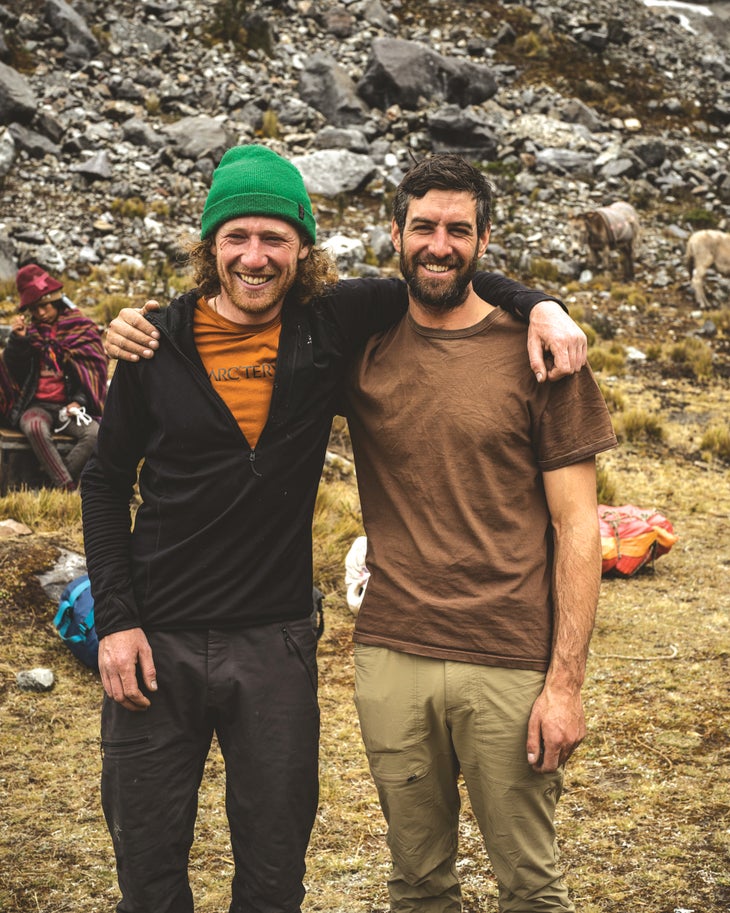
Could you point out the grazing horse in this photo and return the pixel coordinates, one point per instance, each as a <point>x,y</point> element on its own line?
<point>706,248</point>
<point>614,227</point>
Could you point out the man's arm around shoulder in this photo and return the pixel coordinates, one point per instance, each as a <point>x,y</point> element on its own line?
<point>556,345</point>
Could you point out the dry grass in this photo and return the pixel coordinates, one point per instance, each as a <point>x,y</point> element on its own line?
<point>644,822</point>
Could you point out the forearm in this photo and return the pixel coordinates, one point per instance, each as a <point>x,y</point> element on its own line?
<point>107,539</point>
<point>557,722</point>
<point>576,582</point>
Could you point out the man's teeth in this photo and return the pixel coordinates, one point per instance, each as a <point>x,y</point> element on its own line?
<point>255,280</point>
<point>435,268</point>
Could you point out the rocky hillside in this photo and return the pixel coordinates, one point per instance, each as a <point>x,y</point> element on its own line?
<point>113,114</point>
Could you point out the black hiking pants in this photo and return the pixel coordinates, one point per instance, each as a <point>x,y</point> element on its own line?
<point>256,689</point>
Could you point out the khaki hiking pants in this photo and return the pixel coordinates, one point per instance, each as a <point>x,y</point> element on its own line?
<point>424,720</point>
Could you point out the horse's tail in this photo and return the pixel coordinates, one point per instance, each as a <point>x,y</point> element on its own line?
<point>689,257</point>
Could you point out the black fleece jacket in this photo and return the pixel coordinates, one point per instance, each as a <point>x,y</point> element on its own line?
<point>223,538</point>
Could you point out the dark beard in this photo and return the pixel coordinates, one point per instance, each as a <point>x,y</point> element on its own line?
<point>444,299</point>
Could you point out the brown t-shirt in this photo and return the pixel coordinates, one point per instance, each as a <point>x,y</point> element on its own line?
<point>241,364</point>
<point>451,434</point>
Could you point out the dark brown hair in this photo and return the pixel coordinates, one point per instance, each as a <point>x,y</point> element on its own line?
<point>444,171</point>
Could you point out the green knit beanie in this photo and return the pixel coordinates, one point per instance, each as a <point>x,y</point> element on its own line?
<point>253,180</point>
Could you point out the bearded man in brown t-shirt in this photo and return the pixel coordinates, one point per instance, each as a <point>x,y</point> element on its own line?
<point>478,491</point>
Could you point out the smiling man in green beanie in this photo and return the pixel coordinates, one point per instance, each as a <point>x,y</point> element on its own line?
<point>203,607</point>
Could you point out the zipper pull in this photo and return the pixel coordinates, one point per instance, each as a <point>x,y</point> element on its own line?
<point>252,461</point>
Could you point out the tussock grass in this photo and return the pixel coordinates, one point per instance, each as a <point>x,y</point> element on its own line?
<point>716,442</point>
<point>639,425</point>
<point>544,270</point>
<point>337,522</point>
<point>46,510</point>
<point>631,295</point>
<point>615,399</point>
<point>610,359</point>
<point>693,356</point>
<point>606,485</point>
<point>721,319</point>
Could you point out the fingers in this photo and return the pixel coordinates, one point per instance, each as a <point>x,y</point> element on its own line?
<point>534,745</point>
<point>147,668</point>
<point>568,358</point>
<point>131,337</point>
<point>124,689</point>
<point>561,364</point>
<point>552,332</point>
<point>120,655</point>
<point>537,360</point>
<point>552,758</point>
<point>123,349</point>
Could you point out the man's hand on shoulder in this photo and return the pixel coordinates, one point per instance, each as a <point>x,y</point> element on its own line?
<point>131,337</point>
<point>556,345</point>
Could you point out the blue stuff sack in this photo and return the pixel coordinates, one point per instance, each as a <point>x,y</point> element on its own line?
<point>74,621</point>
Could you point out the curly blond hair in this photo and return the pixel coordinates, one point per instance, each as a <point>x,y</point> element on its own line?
<point>315,274</point>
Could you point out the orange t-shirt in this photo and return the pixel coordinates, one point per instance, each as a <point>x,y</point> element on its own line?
<point>241,364</point>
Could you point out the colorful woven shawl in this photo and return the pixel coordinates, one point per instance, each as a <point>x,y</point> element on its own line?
<point>72,338</point>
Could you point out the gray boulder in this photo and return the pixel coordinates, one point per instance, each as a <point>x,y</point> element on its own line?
<point>404,73</point>
<point>198,136</point>
<point>347,252</point>
<point>326,86</point>
<point>7,151</point>
<point>341,138</point>
<point>652,151</point>
<point>329,172</point>
<point>373,12</point>
<point>17,101</point>
<point>96,168</point>
<point>467,131</point>
<point>565,161</point>
<point>139,133</point>
<point>63,18</point>
<point>135,36</point>
<point>574,111</point>
<point>8,263</point>
<point>35,144</point>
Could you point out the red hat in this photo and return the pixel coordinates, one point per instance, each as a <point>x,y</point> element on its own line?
<point>33,283</point>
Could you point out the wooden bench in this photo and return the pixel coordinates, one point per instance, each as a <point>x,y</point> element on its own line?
<point>18,463</point>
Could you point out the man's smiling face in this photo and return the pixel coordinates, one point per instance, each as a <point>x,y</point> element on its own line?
<point>257,259</point>
<point>439,248</point>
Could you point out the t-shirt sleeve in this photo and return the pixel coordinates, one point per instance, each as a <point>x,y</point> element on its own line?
<point>574,424</point>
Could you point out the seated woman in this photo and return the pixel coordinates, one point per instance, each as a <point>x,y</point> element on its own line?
<point>56,362</point>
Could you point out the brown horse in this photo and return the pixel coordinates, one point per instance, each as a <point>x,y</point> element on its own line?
<point>706,248</point>
<point>614,227</point>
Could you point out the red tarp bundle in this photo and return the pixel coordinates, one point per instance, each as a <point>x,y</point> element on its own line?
<point>631,536</point>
